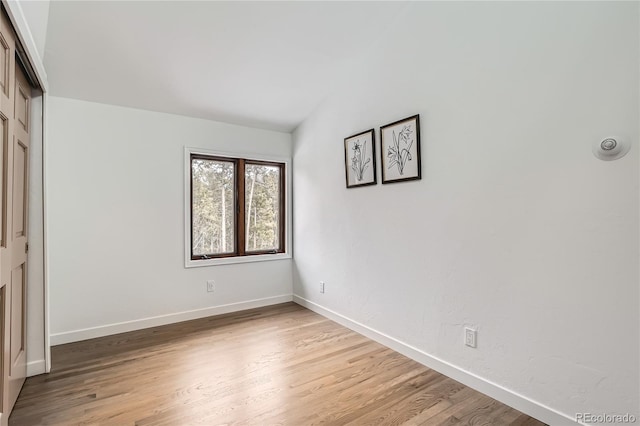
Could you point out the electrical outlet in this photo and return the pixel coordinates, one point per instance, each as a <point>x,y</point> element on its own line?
<point>211,286</point>
<point>321,286</point>
<point>470,337</point>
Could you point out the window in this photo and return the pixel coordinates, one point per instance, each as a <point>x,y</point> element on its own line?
<point>236,209</point>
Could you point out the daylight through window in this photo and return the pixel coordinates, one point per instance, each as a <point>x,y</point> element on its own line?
<point>237,207</point>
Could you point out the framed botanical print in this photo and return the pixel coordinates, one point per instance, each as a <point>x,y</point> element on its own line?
<point>360,159</point>
<point>400,150</point>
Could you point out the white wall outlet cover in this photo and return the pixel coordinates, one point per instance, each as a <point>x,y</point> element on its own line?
<point>470,337</point>
<point>610,148</point>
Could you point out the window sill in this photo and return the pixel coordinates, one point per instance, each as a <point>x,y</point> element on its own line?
<point>236,260</point>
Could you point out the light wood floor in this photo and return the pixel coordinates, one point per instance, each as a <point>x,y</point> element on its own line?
<point>281,365</point>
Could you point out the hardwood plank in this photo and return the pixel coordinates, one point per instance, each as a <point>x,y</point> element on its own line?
<point>281,365</point>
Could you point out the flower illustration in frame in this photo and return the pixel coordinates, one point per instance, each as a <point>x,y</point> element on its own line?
<point>360,159</point>
<point>400,150</point>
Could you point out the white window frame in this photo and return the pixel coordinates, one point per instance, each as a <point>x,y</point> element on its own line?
<point>191,263</point>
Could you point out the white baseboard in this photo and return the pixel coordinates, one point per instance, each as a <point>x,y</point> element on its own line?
<point>495,391</point>
<point>123,327</point>
<point>36,367</point>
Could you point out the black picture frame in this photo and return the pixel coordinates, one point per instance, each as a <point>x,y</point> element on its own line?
<point>400,150</point>
<point>360,159</point>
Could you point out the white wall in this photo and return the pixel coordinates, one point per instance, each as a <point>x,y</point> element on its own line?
<point>515,228</point>
<point>115,217</point>
<point>36,13</point>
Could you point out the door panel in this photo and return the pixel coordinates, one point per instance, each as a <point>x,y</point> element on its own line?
<point>19,172</point>
<point>4,147</point>
<point>20,166</point>
<point>7,94</point>
<point>17,316</point>
<point>3,332</point>
<point>22,104</point>
<point>5,61</point>
<point>15,100</point>
<point>7,66</point>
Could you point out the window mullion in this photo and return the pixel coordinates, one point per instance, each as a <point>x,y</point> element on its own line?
<point>240,209</point>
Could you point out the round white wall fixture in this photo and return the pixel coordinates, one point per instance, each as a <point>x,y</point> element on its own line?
<point>610,148</point>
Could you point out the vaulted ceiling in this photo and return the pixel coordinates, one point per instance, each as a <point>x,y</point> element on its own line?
<point>260,64</point>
